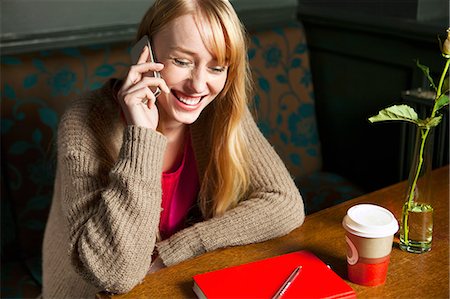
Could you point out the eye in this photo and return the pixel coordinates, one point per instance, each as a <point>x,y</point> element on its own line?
<point>218,69</point>
<point>181,62</point>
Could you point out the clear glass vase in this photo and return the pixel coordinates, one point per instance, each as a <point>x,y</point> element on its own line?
<point>416,225</point>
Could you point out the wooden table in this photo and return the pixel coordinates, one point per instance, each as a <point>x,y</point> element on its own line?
<point>410,275</point>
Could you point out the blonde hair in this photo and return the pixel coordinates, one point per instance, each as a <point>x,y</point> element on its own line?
<point>227,176</point>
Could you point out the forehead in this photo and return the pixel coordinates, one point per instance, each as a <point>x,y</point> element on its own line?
<point>181,28</point>
<point>190,32</point>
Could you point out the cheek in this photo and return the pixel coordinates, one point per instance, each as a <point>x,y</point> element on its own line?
<point>173,75</point>
<point>219,83</point>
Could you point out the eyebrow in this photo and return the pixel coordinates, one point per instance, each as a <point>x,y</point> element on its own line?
<point>184,50</point>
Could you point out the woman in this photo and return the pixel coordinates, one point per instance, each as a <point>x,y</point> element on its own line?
<point>140,180</point>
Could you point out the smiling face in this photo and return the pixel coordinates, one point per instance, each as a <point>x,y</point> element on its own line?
<point>191,71</point>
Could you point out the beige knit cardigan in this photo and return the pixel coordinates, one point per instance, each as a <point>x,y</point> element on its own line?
<point>104,217</point>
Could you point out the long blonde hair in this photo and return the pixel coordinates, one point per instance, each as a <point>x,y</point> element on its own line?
<point>226,179</point>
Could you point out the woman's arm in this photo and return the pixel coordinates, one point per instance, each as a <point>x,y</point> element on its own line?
<point>112,212</point>
<point>273,208</point>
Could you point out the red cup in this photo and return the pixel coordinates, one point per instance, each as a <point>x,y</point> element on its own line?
<point>369,234</point>
<point>368,272</point>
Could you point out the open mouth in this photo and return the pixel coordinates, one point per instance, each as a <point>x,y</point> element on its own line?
<point>187,100</point>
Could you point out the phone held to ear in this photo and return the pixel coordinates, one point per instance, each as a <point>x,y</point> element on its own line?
<point>136,52</point>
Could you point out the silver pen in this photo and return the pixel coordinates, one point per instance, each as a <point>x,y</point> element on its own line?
<point>287,283</point>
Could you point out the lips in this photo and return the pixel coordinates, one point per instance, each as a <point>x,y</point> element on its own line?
<point>187,100</point>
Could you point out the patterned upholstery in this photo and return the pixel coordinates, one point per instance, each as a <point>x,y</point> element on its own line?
<point>284,97</point>
<point>36,88</point>
<point>286,114</point>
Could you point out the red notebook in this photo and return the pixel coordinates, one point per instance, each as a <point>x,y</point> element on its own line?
<point>262,279</point>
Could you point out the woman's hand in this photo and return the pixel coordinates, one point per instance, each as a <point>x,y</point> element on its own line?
<point>135,96</point>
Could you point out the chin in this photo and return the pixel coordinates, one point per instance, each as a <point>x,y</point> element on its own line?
<point>187,118</point>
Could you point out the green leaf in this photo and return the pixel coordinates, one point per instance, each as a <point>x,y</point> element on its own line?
<point>396,112</point>
<point>426,72</point>
<point>430,122</point>
<point>445,85</point>
<point>442,101</point>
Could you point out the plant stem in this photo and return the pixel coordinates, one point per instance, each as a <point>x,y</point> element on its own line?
<point>441,82</point>
<point>424,136</point>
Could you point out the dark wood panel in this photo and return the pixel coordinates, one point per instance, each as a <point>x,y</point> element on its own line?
<point>348,91</point>
<point>359,66</point>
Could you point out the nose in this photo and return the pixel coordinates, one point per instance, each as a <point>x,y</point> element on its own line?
<point>198,80</point>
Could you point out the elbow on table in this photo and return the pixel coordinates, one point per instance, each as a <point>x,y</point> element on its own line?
<point>116,283</point>
<point>297,212</point>
<point>290,216</point>
<point>121,286</point>
<point>113,277</point>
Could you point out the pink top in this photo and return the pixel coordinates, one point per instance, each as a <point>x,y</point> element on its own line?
<point>179,193</point>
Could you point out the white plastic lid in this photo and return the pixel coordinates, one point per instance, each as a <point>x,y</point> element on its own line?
<point>370,221</point>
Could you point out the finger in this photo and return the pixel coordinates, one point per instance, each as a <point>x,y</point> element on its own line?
<point>151,82</point>
<point>138,97</point>
<point>137,71</point>
<point>147,67</point>
<point>151,99</point>
<point>144,55</point>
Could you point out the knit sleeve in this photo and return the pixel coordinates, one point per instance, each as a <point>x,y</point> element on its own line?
<point>273,208</point>
<point>112,210</point>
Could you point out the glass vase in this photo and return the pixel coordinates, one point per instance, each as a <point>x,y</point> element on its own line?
<point>416,225</point>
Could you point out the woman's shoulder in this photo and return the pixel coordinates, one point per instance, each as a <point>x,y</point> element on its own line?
<point>91,113</point>
<point>96,104</point>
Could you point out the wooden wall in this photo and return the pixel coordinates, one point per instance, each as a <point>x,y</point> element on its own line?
<point>360,65</point>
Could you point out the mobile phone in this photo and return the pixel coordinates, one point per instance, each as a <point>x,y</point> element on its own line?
<point>136,52</point>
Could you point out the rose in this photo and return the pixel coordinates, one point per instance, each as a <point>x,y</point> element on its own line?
<point>446,45</point>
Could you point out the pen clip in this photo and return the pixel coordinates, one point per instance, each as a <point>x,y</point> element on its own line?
<point>287,283</point>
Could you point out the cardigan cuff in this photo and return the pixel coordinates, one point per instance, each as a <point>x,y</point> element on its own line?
<point>181,246</point>
<point>142,151</point>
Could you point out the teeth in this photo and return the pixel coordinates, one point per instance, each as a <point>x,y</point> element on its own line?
<point>189,101</point>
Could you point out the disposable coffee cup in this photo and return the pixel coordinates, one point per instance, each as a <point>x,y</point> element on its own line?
<point>369,235</point>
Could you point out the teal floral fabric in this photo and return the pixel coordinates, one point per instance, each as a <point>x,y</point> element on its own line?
<point>285,110</point>
<point>324,189</point>
<point>284,101</point>
<point>35,90</point>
